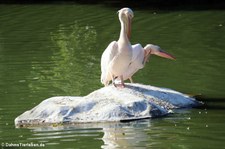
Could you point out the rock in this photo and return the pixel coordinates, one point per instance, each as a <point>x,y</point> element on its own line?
<point>133,102</point>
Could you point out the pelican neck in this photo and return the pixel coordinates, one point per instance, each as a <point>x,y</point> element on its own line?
<point>123,33</point>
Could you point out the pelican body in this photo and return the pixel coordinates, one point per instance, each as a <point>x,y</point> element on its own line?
<point>117,56</point>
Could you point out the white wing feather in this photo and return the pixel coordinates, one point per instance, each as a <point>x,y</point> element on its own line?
<point>107,57</point>
<point>137,61</point>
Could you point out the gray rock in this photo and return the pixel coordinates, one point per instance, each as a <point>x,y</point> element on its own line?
<point>134,102</point>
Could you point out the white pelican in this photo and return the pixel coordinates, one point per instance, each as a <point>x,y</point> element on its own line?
<point>117,56</point>
<point>141,56</point>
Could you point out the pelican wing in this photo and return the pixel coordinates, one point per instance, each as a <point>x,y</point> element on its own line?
<point>107,56</point>
<point>137,61</point>
<point>137,49</point>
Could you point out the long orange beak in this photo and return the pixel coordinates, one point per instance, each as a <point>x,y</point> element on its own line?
<point>164,54</point>
<point>129,28</point>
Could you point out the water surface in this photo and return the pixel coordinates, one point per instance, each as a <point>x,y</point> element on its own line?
<point>55,50</point>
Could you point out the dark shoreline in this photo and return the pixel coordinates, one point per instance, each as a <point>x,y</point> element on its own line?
<point>142,4</point>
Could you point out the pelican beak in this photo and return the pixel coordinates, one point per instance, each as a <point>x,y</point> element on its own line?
<point>129,27</point>
<point>164,54</point>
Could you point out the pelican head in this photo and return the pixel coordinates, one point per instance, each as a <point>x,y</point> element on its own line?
<point>126,12</point>
<point>125,15</point>
<point>156,50</point>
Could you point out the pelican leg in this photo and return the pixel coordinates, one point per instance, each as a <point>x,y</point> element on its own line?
<point>131,80</point>
<point>114,84</point>
<point>122,82</point>
<point>107,83</point>
<point>113,80</point>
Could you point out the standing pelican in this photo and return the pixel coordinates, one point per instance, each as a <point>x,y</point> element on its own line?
<point>117,56</point>
<point>140,57</point>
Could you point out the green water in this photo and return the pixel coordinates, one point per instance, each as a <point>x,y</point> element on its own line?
<point>52,50</point>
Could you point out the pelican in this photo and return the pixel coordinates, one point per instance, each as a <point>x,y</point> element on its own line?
<point>117,56</point>
<point>141,56</point>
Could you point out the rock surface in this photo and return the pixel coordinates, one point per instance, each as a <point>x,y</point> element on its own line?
<point>136,101</point>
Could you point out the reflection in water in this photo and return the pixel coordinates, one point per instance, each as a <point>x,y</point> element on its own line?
<point>113,135</point>
<point>123,136</point>
<point>73,59</point>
